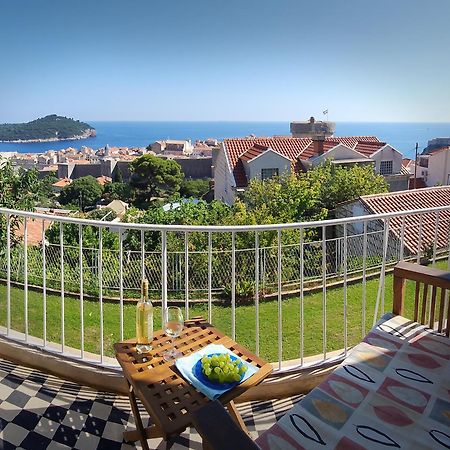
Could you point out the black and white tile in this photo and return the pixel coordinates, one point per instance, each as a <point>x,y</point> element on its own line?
<point>40,411</point>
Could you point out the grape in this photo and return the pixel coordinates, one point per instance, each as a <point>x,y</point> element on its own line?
<point>222,369</point>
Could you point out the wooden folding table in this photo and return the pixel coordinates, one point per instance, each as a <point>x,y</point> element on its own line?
<point>168,398</point>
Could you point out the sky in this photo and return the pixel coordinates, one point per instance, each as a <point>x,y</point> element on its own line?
<point>249,60</point>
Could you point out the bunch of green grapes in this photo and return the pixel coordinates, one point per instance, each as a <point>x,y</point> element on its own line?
<point>222,369</point>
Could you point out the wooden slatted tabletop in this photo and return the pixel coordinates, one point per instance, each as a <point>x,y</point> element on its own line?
<point>166,395</point>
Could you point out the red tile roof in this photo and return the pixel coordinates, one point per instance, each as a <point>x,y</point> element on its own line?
<point>293,148</point>
<point>62,182</point>
<point>253,152</point>
<point>103,180</point>
<point>415,199</point>
<point>34,230</point>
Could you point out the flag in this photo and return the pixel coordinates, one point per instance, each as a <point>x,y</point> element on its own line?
<point>325,112</point>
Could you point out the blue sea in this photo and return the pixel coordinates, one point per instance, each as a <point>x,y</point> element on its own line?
<point>402,136</point>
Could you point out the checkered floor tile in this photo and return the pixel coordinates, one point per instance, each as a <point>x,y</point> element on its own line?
<point>40,411</point>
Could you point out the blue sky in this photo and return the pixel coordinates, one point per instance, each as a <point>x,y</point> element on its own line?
<point>364,60</point>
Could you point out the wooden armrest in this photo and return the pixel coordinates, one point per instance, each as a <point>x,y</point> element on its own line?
<point>424,274</point>
<point>429,311</point>
<point>219,430</point>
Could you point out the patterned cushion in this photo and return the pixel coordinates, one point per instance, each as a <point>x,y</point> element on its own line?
<point>392,391</point>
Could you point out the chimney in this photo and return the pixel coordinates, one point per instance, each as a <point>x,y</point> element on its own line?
<point>311,119</point>
<point>318,144</point>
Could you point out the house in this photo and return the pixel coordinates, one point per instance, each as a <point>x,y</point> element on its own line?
<point>102,180</point>
<point>239,160</point>
<point>118,207</point>
<point>409,165</point>
<point>59,185</point>
<point>434,166</point>
<point>418,232</point>
<point>172,147</point>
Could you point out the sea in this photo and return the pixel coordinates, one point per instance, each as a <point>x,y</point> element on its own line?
<point>402,136</point>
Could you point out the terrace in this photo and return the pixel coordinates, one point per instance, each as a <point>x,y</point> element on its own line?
<point>299,295</point>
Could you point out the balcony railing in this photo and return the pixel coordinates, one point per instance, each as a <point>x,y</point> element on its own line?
<point>289,292</point>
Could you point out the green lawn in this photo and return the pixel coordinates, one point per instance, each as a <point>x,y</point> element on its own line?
<point>245,319</point>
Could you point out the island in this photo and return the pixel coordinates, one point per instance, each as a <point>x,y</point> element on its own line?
<point>46,129</point>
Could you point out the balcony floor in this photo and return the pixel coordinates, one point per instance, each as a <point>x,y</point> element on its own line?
<point>40,411</point>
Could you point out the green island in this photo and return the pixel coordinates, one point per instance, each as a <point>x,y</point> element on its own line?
<point>46,129</point>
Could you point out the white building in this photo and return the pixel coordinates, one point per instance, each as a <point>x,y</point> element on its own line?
<point>434,167</point>
<point>237,161</point>
<point>172,147</point>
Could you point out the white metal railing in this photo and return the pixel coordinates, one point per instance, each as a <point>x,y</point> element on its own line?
<point>245,270</point>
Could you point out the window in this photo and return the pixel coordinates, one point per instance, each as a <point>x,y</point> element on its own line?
<point>268,173</point>
<point>423,162</point>
<point>385,167</point>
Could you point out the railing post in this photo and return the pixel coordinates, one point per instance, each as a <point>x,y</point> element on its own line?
<point>186,276</point>
<point>25,275</point>
<point>257,292</point>
<point>233,285</point>
<point>209,277</point>
<point>80,262</point>
<point>61,244</point>
<point>44,285</point>
<point>399,294</point>
<point>8,274</point>
<point>164,274</point>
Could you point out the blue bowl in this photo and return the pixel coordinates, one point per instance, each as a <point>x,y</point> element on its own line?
<point>198,373</point>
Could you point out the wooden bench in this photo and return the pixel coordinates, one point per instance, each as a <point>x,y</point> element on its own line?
<point>393,389</point>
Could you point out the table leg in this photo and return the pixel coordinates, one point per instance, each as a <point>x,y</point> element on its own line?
<point>234,413</point>
<point>137,419</point>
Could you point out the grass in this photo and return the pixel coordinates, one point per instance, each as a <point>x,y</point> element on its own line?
<point>221,318</point>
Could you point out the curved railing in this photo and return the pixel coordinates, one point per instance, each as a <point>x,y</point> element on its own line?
<point>298,294</point>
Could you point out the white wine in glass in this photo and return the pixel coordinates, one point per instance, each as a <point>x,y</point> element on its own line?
<point>173,326</point>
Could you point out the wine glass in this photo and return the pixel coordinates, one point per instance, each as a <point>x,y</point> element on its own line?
<point>173,326</point>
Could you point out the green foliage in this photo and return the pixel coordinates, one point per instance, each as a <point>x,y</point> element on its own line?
<point>117,176</point>
<point>154,177</point>
<point>311,195</point>
<point>118,191</point>
<point>194,188</point>
<point>19,189</point>
<point>103,214</point>
<point>244,290</point>
<point>337,184</point>
<point>48,127</point>
<point>85,191</point>
<point>71,233</point>
<point>290,198</point>
<point>47,195</point>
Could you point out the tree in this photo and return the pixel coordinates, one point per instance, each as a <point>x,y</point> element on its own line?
<point>194,188</point>
<point>84,191</point>
<point>47,196</point>
<point>337,184</point>
<point>90,233</point>
<point>290,198</point>
<point>19,189</point>
<point>118,191</point>
<point>311,195</point>
<point>154,177</point>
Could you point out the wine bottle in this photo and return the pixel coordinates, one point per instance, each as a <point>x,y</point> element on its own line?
<point>144,321</point>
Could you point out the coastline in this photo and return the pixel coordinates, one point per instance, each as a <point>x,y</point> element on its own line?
<point>86,135</point>
<point>402,136</point>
